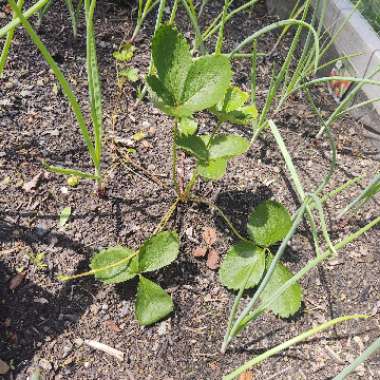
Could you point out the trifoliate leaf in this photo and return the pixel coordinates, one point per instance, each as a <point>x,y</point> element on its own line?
<point>172,59</point>
<point>290,301</point>
<point>183,86</point>
<point>213,169</point>
<point>194,145</point>
<point>118,268</point>
<point>269,223</point>
<point>242,260</point>
<point>187,126</point>
<point>152,302</point>
<point>64,216</point>
<point>160,250</point>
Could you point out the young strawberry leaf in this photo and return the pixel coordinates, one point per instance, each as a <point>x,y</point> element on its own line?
<point>269,223</point>
<point>242,260</point>
<point>131,74</point>
<point>160,250</point>
<point>172,59</point>
<point>152,302</point>
<point>194,145</point>
<point>213,169</point>
<point>125,54</point>
<point>226,146</point>
<point>206,83</point>
<point>187,126</point>
<point>232,108</point>
<point>126,270</point>
<point>290,301</point>
<point>64,216</point>
<point>183,86</point>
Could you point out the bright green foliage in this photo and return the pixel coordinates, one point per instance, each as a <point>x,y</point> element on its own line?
<point>243,264</point>
<point>125,54</point>
<point>120,264</point>
<point>213,169</point>
<point>194,145</point>
<point>152,302</point>
<point>232,107</point>
<point>290,301</point>
<point>226,146</point>
<point>187,126</point>
<point>184,86</point>
<point>64,216</point>
<point>131,74</point>
<point>159,251</point>
<point>269,223</point>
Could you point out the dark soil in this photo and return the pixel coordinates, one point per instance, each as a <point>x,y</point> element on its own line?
<point>44,321</point>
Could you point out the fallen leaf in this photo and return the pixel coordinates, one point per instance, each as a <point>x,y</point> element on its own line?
<point>16,281</point>
<point>209,236</point>
<point>213,259</point>
<point>33,183</point>
<point>200,251</point>
<point>247,375</point>
<point>4,367</point>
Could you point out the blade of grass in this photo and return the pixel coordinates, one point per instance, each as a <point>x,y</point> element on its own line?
<point>61,79</point>
<point>67,171</point>
<point>291,342</point>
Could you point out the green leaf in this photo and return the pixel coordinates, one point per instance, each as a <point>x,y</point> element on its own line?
<point>232,108</point>
<point>162,98</point>
<point>194,145</point>
<point>64,216</point>
<point>187,126</point>
<point>132,74</point>
<point>125,54</point>
<point>226,146</point>
<point>269,223</point>
<point>124,271</point>
<point>233,100</point>
<point>290,301</point>
<point>159,251</point>
<point>213,169</point>
<point>242,260</point>
<point>206,83</point>
<point>172,59</point>
<point>152,302</point>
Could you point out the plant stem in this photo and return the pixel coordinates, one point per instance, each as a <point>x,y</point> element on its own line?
<point>167,216</point>
<point>174,159</point>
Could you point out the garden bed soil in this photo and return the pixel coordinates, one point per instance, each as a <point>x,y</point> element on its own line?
<point>44,322</point>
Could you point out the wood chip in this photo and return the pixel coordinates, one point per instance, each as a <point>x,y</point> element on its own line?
<point>209,236</point>
<point>119,355</point>
<point>213,259</point>
<point>200,251</point>
<point>16,281</point>
<point>247,375</point>
<point>4,367</point>
<point>33,183</point>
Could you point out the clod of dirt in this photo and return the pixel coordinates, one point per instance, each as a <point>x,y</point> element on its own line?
<point>16,281</point>
<point>213,259</point>
<point>209,236</point>
<point>200,251</point>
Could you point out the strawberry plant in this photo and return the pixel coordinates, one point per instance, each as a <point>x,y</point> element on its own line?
<point>246,262</point>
